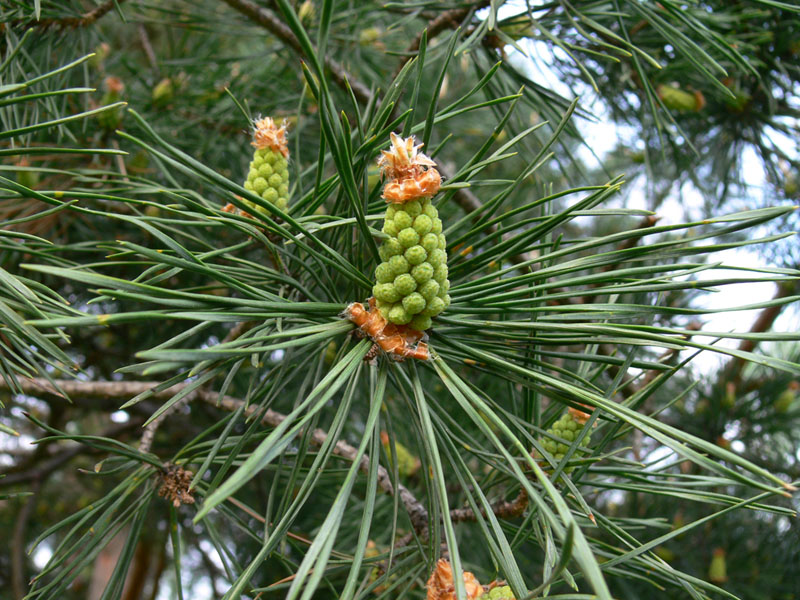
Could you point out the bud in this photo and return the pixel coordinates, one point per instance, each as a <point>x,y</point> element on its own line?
<point>306,13</point>
<point>163,93</point>
<point>111,119</point>
<point>567,427</point>
<point>369,36</point>
<point>25,175</point>
<point>729,400</point>
<point>101,52</point>
<point>441,586</point>
<point>502,592</point>
<point>407,463</point>
<point>717,571</point>
<point>330,353</point>
<point>787,397</point>
<point>674,98</point>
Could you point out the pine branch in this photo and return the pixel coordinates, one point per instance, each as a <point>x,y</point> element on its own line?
<point>766,318</point>
<point>448,19</point>
<point>85,20</point>
<point>128,389</point>
<point>18,545</point>
<point>502,508</point>
<point>271,23</point>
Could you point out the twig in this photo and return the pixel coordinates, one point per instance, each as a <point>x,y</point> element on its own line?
<point>86,19</point>
<point>144,38</point>
<point>17,548</point>
<point>149,434</point>
<point>267,19</point>
<point>502,508</point>
<point>127,389</point>
<point>449,18</point>
<point>766,318</point>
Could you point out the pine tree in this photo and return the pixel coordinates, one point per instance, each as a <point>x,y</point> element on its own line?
<point>318,299</point>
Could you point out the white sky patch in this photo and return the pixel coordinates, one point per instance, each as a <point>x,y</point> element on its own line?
<point>682,204</point>
<point>120,416</point>
<point>42,555</point>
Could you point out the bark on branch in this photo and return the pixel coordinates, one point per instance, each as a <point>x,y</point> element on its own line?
<point>120,390</point>
<point>764,322</point>
<point>85,20</point>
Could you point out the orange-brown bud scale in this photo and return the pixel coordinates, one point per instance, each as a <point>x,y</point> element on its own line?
<point>398,340</point>
<point>266,134</point>
<point>579,415</point>
<point>412,175</point>
<point>441,586</point>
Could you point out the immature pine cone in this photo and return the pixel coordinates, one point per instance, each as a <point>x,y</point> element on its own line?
<point>411,282</point>
<point>269,170</point>
<point>567,427</point>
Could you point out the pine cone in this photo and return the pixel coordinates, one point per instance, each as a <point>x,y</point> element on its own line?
<point>411,282</point>
<point>269,169</point>
<point>567,427</point>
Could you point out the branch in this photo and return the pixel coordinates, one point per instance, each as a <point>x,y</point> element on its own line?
<point>118,390</point>
<point>766,318</point>
<point>502,508</point>
<point>18,579</point>
<point>85,20</point>
<point>448,19</point>
<point>271,23</point>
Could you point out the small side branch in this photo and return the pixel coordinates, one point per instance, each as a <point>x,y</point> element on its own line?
<point>85,20</point>
<point>269,21</point>
<point>764,322</point>
<point>503,508</point>
<point>121,390</point>
<point>448,19</point>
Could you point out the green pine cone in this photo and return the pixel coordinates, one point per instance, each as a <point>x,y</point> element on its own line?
<point>269,178</point>
<point>566,428</point>
<point>412,282</point>
<point>501,593</point>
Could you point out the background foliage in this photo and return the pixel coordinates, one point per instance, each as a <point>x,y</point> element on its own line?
<point>146,332</point>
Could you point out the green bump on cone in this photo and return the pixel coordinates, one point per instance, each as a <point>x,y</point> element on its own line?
<point>414,265</point>
<point>385,274</point>
<point>416,255</point>
<point>430,242</point>
<point>422,273</point>
<point>399,265</point>
<point>502,592</point>
<point>404,285</point>
<point>269,178</point>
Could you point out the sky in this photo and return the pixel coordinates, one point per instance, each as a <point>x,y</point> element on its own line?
<point>603,135</point>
